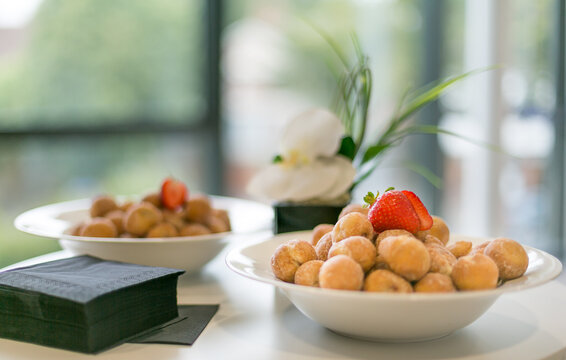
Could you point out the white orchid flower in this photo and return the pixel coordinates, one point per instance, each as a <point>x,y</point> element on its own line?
<point>309,168</point>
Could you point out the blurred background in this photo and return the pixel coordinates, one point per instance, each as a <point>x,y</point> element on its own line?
<point>111,96</point>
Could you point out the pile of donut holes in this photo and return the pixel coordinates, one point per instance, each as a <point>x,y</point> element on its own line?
<point>350,256</point>
<point>148,218</point>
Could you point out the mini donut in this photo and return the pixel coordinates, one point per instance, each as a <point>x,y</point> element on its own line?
<point>438,229</point>
<point>475,272</point>
<point>358,248</point>
<point>153,198</point>
<point>216,224</point>
<point>197,208</point>
<point>125,205</point>
<point>435,282</point>
<point>140,218</point>
<point>289,256</point>
<point>319,231</point>
<point>352,224</point>
<point>406,256</point>
<point>323,246</point>
<point>380,263</point>
<point>441,259</point>
<point>224,216</point>
<point>194,229</point>
<point>353,208</point>
<point>386,281</point>
<point>307,273</point>
<point>76,230</point>
<point>99,227</point>
<point>101,205</point>
<point>460,248</point>
<point>509,256</point>
<point>117,217</point>
<point>432,240</point>
<point>479,249</point>
<point>341,272</point>
<point>175,218</point>
<point>393,232</point>
<point>163,229</point>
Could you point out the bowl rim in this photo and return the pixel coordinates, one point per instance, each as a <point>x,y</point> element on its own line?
<point>510,286</point>
<point>47,214</point>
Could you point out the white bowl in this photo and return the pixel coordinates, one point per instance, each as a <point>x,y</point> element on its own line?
<point>189,253</point>
<point>386,316</point>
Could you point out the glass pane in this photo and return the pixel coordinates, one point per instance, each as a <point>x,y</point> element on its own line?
<point>97,63</point>
<point>524,95</point>
<point>100,62</point>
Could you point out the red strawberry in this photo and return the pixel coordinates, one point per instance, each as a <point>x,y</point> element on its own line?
<point>398,210</point>
<point>420,209</point>
<point>173,193</point>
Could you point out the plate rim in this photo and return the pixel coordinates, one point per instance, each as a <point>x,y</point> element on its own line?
<point>231,256</point>
<point>21,222</point>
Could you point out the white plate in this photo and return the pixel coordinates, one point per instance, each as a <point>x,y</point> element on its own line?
<point>189,253</point>
<point>386,316</point>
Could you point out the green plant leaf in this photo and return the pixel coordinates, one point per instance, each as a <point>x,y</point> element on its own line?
<point>374,151</point>
<point>432,92</point>
<point>425,172</point>
<point>370,198</point>
<point>277,159</point>
<point>347,147</point>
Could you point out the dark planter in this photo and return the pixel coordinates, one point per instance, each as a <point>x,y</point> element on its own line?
<point>295,217</point>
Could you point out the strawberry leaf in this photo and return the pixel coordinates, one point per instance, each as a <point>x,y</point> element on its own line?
<point>370,198</point>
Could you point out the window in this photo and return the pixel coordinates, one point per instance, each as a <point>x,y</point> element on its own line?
<point>102,96</point>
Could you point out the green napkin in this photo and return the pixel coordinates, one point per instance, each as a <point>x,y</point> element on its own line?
<point>184,330</point>
<point>85,304</point>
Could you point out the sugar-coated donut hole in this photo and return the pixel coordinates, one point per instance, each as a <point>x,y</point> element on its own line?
<point>307,273</point>
<point>352,224</point>
<point>435,282</point>
<point>323,246</point>
<point>140,218</point>
<point>289,256</point>
<point>350,208</point>
<point>319,231</point>
<point>509,256</point>
<point>439,230</point>
<point>441,259</point>
<point>382,280</point>
<point>358,248</point>
<point>406,256</point>
<point>460,248</point>
<point>162,229</point>
<point>341,272</point>
<point>101,205</point>
<point>197,208</point>
<point>194,229</point>
<point>99,227</point>
<point>475,272</point>
<point>393,232</point>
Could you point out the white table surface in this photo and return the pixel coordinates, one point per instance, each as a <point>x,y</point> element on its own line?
<point>257,322</point>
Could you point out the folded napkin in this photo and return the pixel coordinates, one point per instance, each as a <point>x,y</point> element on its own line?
<point>85,304</point>
<point>183,330</point>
